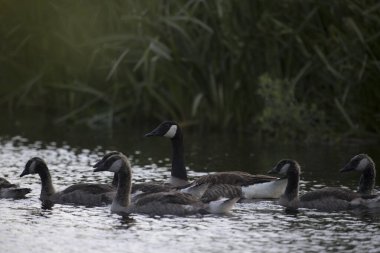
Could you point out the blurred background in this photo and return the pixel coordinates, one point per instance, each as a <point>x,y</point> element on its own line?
<point>290,70</point>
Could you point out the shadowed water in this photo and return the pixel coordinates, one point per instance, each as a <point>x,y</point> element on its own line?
<point>257,226</point>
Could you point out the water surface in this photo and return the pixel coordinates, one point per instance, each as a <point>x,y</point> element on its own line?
<point>258,226</point>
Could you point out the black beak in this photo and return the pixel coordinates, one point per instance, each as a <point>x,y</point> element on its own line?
<point>272,171</point>
<point>97,164</point>
<point>155,132</point>
<point>25,172</point>
<point>347,168</point>
<point>100,168</point>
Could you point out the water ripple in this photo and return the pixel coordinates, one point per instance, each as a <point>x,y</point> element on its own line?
<point>255,226</point>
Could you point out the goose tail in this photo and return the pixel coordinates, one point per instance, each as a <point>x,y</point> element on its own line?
<point>221,206</point>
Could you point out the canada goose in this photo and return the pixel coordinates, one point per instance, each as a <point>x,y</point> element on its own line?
<point>79,194</point>
<point>171,130</point>
<point>240,184</point>
<point>326,199</point>
<point>364,164</point>
<point>137,188</point>
<point>222,184</point>
<point>8,190</point>
<point>159,203</point>
<point>141,189</point>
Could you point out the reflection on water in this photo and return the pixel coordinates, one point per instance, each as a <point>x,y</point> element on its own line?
<point>253,226</point>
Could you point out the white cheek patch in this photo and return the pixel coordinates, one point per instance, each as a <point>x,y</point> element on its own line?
<point>171,132</point>
<point>362,165</point>
<point>284,169</point>
<point>115,167</point>
<point>32,167</point>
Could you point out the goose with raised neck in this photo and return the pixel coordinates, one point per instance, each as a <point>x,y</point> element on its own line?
<point>171,130</point>
<point>87,194</point>
<point>221,184</point>
<point>137,188</point>
<point>364,164</point>
<point>325,199</point>
<point>159,203</point>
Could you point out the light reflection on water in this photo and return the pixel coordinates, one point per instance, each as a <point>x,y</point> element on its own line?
<point>255,226</point>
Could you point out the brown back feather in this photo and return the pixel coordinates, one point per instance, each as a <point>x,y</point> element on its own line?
<point>233,178</point>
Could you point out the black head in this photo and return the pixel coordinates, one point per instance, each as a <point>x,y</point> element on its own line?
<point>169,129</point>
<point>285,167</point>
<point>105,157</point>
<point>114,163</point>
<point>33,166</point>
<point>358,163</point>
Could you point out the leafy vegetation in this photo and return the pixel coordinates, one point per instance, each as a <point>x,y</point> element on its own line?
<point>291,69</point>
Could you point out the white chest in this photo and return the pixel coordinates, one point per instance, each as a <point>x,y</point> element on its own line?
<point>267,190</point>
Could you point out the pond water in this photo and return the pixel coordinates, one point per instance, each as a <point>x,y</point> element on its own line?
<point>257,226</point>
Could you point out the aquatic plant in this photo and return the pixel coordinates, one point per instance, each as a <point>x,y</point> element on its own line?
<point>199,62</point>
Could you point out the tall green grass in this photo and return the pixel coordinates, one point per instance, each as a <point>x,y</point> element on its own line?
<point>290,69</point>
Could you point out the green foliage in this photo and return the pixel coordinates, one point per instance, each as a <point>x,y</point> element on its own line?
<point>289,69</point>
<point>283,117</point>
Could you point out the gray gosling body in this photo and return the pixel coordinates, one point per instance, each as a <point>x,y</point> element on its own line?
<point>326,199</point>
<point>221,184</point>
<point>158,203</point>
<point>12,191</point>
<point>78,194</point>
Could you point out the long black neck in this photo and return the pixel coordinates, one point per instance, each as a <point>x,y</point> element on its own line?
<point>291,191</point>
<point>47,188</point>
<point>115,180</point>
<point>178,160</point>
<point>367,180</point>
<point>124,188</point>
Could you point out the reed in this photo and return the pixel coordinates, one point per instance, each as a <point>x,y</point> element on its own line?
<point>292,69</point>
